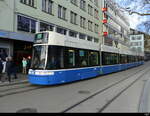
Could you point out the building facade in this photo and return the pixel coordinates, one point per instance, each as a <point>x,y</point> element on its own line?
<point>137,42</point>
<point>140,42</point>
<point>97,21</point>
<point>20,19</point>
<point>116,27</point>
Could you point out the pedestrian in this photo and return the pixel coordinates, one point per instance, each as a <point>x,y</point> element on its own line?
<point>1,68</point>
<point>28,63</point>
<point>13,68</point>
<point>24,66</point>
<point>8,68</point>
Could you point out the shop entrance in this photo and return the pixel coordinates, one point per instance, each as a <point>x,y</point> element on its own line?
<point>21,49</point>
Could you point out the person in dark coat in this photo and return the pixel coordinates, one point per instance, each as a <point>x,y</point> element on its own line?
<point>8,68</point>
<point>14,69</point>
<point>28,63</point>
<point>1,68</point>
<point>11,68</point>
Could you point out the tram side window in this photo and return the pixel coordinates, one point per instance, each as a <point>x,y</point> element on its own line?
<point>105,59</point>
<point>123,59</point>
<point>83,58</point>
<point>129,57</point>
<point>55,58</point>
<point>109,58</point>
<point>70,59</point>
<point>93,58</point>
<point>116,58</point>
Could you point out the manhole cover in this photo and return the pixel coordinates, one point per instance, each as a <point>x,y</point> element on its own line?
<point>84,92</point>
<point>27,110</point>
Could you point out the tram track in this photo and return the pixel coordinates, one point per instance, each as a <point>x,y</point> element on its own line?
<point>17,88</point>
<point>26,87</point>
<point>105,105</point>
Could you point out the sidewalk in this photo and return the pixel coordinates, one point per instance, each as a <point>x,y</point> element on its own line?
<point>21,79</point>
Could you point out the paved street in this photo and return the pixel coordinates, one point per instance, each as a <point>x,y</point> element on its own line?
<point>58,98</point>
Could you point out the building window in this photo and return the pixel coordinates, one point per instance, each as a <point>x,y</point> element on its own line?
<point>73,18</point>
<point>90,10</point>
<point>90,27</point>
<point>89,38</point>
<point>83,5</point>
<point>82,22</point>
<point>46,27</point>
<point>82,36</point>
<point>133,38</point>
<point>96,28</point>
<point>26,24</point>
<point>96,40</point>
<point>108,41</point>
<point>61,12</point>
<point>73,34</point>
<point>47,6</point>
<point>96,2</point>
<point>75,2</point>
<point>96,14</point>
<point>28,2</point>
<point>61,30</point>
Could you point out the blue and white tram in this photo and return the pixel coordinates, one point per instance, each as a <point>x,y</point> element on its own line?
<point>59,59</point>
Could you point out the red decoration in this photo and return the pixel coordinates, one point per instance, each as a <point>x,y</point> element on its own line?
<point>104,9</point>
<point>105,33</point>
<point>104,21</point>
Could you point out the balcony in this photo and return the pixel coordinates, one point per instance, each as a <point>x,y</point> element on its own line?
<point>116,21</point>
<point>118,40</point>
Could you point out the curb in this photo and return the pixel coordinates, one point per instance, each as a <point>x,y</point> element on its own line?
<point>145,98</point>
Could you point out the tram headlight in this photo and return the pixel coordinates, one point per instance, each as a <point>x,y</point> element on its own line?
<point>31,71</point>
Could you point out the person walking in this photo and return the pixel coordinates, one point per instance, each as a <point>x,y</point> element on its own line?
<point>24,65</point>
<point>13,68</point>
<point>28,63</point>
<point>8,68</point>
<point>1,68</point>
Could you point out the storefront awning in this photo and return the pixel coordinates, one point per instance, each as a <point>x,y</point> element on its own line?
<point>17,36</point>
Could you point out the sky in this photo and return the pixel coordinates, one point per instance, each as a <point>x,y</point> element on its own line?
<point>135,20</point>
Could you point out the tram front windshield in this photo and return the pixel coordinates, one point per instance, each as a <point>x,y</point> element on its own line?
<point>39,57</point>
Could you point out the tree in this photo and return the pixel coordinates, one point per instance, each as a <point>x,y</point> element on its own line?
<point>137,7</point>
